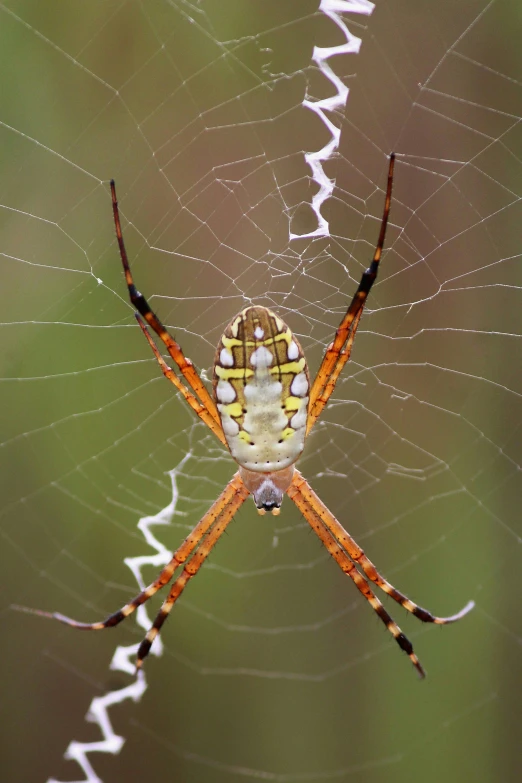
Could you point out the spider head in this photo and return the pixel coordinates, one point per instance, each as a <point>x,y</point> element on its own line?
<point>267,489</point>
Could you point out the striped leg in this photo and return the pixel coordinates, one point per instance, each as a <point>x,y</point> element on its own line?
<point>190,570</point>
<point>338,352</point>
<point>184,365</point>
<point>358,556</point>
<point>169,373</point>
<point>227,504</point>
<point>346,565</point>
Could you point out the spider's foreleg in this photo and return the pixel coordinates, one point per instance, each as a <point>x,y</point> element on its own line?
<point>185,366</point>
<point>338,352</point>
<point>169,373</point>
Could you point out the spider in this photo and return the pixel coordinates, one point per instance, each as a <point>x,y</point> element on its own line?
<point>262,410</point>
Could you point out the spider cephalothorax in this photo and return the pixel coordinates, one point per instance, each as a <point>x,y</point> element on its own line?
<point>263,409</point>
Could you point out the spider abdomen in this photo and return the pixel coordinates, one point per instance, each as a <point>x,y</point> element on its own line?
<point>261,386</point>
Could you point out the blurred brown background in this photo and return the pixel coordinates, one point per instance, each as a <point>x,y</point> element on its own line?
<point>274,667</point>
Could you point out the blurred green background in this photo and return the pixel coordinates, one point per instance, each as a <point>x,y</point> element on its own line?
<point>274,668</point>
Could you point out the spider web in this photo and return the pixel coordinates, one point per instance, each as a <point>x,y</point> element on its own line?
<point>248,172</point>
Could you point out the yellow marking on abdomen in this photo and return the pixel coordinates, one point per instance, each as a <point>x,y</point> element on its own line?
<point>233,409</point>
<point>291,368</point>
<point>234,342</point>
<point>293,403</point>
<point>232,372</point>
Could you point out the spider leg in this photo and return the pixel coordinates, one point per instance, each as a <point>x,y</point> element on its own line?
<point>184,365</point>
<point>346,565</point>
<point>225,506</point>
<point>338,352</point>
<point>191,568</point>
<point>358,556</point>
<point>169,373</point>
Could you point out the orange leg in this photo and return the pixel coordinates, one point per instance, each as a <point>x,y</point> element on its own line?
<point>346,565</point>
<point>194,403</point>
<point>226,505</point>
<point>358,556</point>
<point>338,352</point>
<point>190,570</point>
<point>184,365</point>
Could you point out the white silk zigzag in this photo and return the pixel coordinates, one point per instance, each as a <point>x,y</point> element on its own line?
<point>333,9</point>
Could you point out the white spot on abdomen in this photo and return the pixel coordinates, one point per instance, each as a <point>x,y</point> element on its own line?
<point>261,358</point>
<point>259,333</point>
<point>293,351</point>
<point>225,392</point>
<point>299,419</point>
<point>299,385</point>
<point>225,358</point>
<point>230,427</point>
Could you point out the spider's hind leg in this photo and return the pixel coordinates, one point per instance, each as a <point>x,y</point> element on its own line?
<point>203,537</point>
<point>192,567</point>
<point>346,565</point>
<point>357,555</point>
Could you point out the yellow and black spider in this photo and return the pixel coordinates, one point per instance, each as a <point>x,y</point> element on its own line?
<point>263,409</point>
